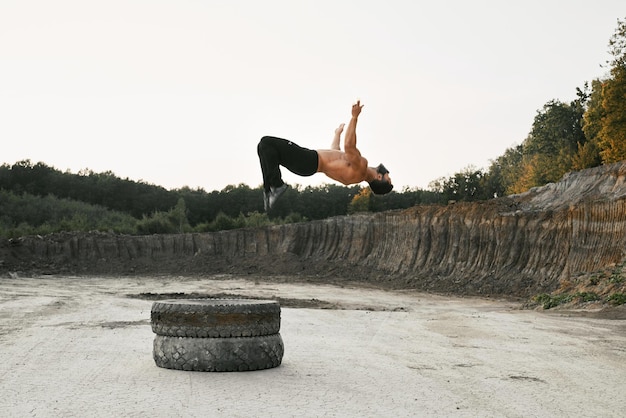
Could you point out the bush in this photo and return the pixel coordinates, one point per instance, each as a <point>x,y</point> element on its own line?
<point>27,214</point>
<point>587,296</point>
<point>549,301</point>
<point>256,219</point>
<point>157,223</point>
<point>617,299</point>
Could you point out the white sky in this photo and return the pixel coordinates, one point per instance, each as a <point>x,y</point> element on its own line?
<point>178,93</point>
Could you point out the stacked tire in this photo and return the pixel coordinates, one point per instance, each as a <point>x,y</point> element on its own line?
<point>217,335</point>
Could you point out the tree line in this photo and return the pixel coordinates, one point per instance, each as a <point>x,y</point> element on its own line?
<point>565,136</point>
<point>37,199</point>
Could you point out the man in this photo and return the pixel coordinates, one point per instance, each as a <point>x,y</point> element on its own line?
<point>347,166</point>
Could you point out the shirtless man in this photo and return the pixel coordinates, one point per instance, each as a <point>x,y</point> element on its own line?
<point>346,167</point>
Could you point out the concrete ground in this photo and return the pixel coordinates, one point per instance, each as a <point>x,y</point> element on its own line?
<point>83,347</point>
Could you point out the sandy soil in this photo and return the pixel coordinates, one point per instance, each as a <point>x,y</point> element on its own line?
<point>75,346</point>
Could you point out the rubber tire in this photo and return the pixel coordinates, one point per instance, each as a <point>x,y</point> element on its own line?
<point>218,354</point>
<point>215,318</point>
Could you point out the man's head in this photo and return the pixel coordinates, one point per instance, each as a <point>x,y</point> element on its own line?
<point>382,183</point>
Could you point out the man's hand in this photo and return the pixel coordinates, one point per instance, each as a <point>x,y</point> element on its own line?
<point>336,139</point>
<point>356,109</point>
<point>339,130</point>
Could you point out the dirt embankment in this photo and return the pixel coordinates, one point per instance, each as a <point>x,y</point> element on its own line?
<point>571,234</point>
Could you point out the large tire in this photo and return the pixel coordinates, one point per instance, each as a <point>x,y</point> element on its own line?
<point>218,354</point>
<point>215,318</point>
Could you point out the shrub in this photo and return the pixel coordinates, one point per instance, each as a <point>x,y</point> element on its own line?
<point>617,299</point>
<point>588,296</point>
<point>549,301</point>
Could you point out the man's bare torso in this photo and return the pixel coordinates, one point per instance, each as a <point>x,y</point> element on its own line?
<point>336,165</point>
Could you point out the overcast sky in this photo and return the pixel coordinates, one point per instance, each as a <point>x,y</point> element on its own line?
<point>178,93</point>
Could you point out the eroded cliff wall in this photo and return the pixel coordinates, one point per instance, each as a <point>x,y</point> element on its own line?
<point>518,245</point>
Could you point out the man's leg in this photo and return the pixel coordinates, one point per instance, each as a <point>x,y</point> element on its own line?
<point>274,152</point>
<point>269,157</point>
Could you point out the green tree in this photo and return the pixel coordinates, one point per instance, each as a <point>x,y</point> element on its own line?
<point>548,151</point>
<point>224,222</point>
<point>179,214</point>
<point>26,214</point>
<point>197,202</point>
<point>156,223</point>
<point>617,46</point>
<point>467,185</point>
<point>256,219</point>
<point>605,119</point>
<point>402,199</point>
<point>592,124</point>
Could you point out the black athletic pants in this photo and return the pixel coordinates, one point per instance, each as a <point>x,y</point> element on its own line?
<point>274,152</point>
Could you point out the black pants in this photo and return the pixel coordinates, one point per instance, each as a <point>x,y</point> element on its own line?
<point>274,152</point>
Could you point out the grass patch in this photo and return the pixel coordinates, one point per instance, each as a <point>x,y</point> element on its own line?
<point>617,299</point>
<point>587,296</point>
<point>617,276</point>
<point>550,301</point>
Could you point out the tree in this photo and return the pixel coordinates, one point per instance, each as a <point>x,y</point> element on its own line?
<point>361,202</point>
<point>588,154</point>
<point>466,185</point>
<point>554,140</point>
<point>617,46</point>
<point>606,117</point>
<point>612,134</point>
<point>491,183</point>
<point>197,204</point>
<point>592,119</point>
<point>179,213</point>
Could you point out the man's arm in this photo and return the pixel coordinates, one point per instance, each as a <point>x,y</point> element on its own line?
<point>349,144</point>
<point>336,139</point>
